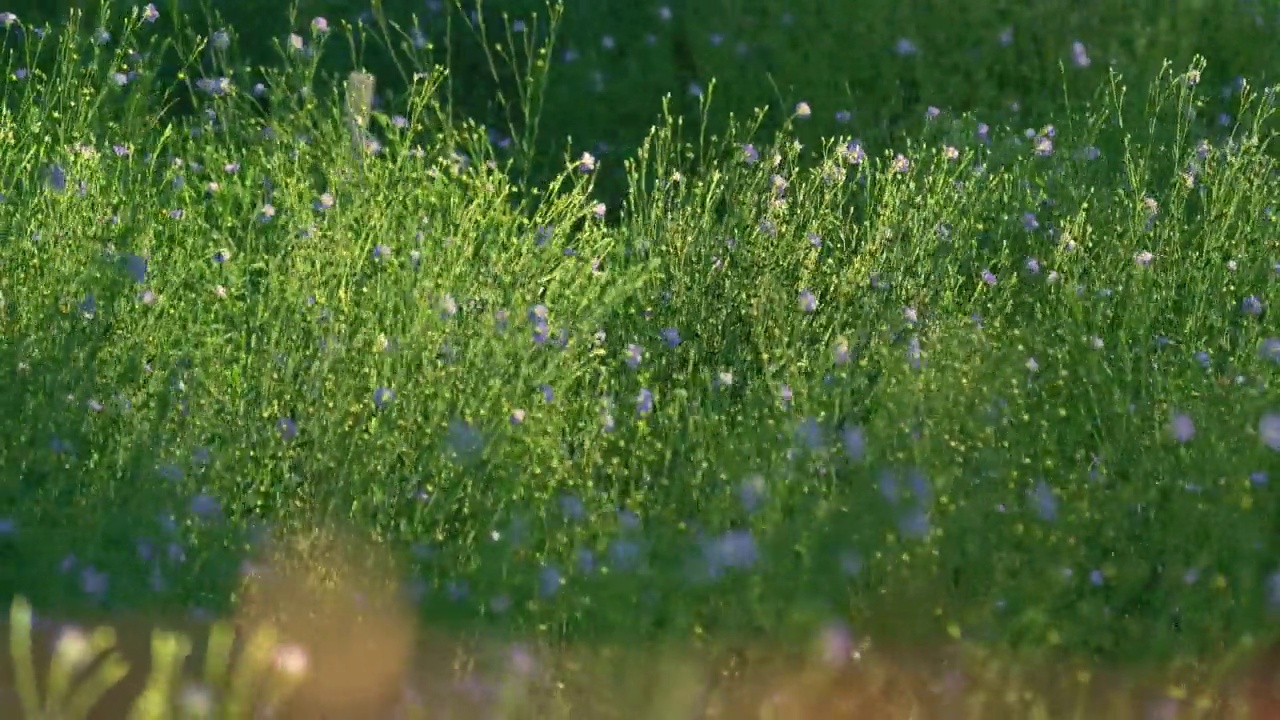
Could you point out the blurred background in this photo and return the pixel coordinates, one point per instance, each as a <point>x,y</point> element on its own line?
<point>869,69</point>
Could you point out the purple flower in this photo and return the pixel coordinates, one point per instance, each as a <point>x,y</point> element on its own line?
<point>205,506</point>
<point>913,352</point>
<point>734,550</point>
<point>989,277</point>
<point>1251,305</point>
<point>57,178</point>
<point>624,554</point>
<point>751,492</point>
<point>382,396</point>
<point>889,486</point>
<point>571,507</point>
<point>635,354</point>
<point>671,337</point>
<point>644,402</point>
<point>855,442</point>
<point>549,581</point>
<point>750,154</point>
<point>914,523</point>
<point>1270,349</point>
<point>1181,427</point>
<point>319,25</point>
<point>548,393</point>
<point>1269,430</point>
<point>853,153</point>
<point>1045,502</point>
<point>808,302</point>
<point>1079,55</point>
<point>840,351</point>
<point>809,433</point>
<point>150,14</point>
<point>93,582</point>
<point>287,428</point>
<point>900,164</point>
<point>136,266</point>
<point>835,644</point>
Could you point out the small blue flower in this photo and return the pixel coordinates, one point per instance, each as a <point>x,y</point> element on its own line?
<point>855,443</point>
<point>205,506</point>
<point>136,266</point>
<point>624,554</point>
<point>382,396</point>
<point>287,428</point>
<point>914,523</point>
<point>1182,427</point>
<point>644,402</point>
<point>1269,430</point>
<point>57,178</point>
<point>572,508</point>
<point>752,492</point>
<point>734,550</point>
<point>1044,501</point>
<point>808,302</point>
<point>549,581</point>
<point>889,486</point>
<point>1270,349</point>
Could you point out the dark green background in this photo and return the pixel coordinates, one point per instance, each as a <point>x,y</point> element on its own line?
<point>834,54</point>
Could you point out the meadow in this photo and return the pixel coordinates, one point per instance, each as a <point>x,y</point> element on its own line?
<point>775,413</point>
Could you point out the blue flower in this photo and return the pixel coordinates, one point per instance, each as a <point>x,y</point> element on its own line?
<point>644,402</point>
<point>549,581</point>
<point>287,428</point>
<point>1044,501</point>
<point>136,266</point>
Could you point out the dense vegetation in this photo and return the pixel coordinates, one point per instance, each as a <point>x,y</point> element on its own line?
<point>907,372</point>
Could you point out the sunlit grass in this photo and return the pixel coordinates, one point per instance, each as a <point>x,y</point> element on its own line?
<point>998,387</point>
